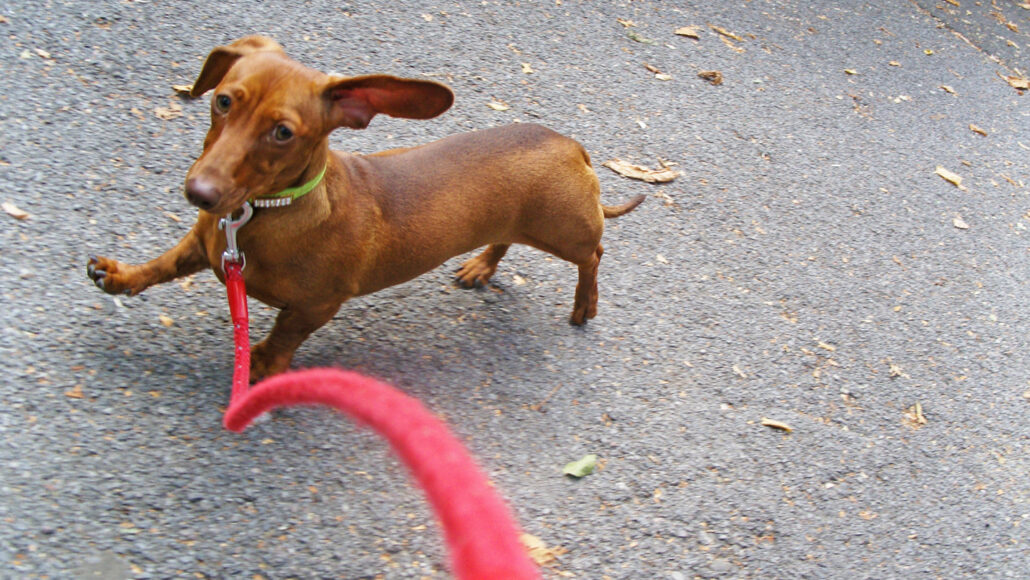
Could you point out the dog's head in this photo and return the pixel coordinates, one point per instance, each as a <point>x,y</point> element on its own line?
<point>270,115</point>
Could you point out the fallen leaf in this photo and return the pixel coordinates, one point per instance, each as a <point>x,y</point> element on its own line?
<point>826,346</point>
<point>626,23</point>
<point>850,71</point>
<point>976,129</point>
<point>640,172</point>
<point>42,53</point>
<point>582,467</point>
<point>182,89</point>
<point>725,32</point>
<point>730,44</point>
<point>634,36</point>
<point>519,280</point>
<point>960,223</point>
<point>777,425</point>
<point>3,19</point>
<point>172,111</point>
<point>539,552</point>
<point>712,76</point>
<point>166,320</point>
<point>652,68</point>
<point>914,417</point>
<point>952,178</point>
<point>1020,83</point>
<point>689,31</point>
<point>948,89</point>
<point>498,106</point>
<point>663,77</point>
<point>928,52</point>
<point>75,393</point>
<point>894,63</point>
<point>526,68</point>
<point>661,258</point>
<point>14,211</point>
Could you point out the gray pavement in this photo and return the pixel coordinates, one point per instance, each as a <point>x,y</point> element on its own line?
<point>808,267</point>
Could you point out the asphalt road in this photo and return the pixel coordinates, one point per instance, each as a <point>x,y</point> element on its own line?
<point>808,266</point>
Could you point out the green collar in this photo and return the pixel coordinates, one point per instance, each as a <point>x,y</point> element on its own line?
<point>286,196</point>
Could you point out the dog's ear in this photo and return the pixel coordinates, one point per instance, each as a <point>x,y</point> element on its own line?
<point>352,102</point>
<point>222,58</point>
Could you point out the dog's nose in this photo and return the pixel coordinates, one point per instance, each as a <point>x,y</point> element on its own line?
<point>201,192</point>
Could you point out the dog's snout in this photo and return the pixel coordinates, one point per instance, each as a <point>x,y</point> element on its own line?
<point>201,192</point>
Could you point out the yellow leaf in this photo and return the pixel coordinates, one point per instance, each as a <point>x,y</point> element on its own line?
<point>950,177</point>
<point>166,320</point>
<point>539,552</point>
<point>777,425</point>
<point>640,172</point>
<point>850,71</point>
<point>690,32</point>
<point>14,211</point>
<point>725,32</point>
<point>526,68</point>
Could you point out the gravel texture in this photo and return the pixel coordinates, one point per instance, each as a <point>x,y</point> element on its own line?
<point>806,268</point>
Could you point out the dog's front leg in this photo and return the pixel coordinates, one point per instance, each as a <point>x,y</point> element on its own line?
<point>292,326</point>
<point>114,277</point>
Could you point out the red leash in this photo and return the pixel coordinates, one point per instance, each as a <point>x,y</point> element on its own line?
<point>481,534</point>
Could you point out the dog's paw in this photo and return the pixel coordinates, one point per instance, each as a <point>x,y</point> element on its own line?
<point>111,276</point>
<point>264,363</point>
<point>474,273</point>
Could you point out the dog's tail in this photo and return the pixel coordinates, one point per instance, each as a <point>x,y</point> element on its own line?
<point>614,211</point>
<point>480,532</point>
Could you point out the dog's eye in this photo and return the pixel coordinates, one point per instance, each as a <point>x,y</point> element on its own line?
<point>222,103</point>
<point>282,133</point>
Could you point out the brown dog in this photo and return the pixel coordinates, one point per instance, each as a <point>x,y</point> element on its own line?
<point>369,221</point>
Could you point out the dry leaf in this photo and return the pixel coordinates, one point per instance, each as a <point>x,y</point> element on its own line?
<point>663,77</point>
<point>626,23</point>
<point>166,320</point>
<point>172,111</point>
<point>652,68</point>
<point>826,346</point>
<point>948,89</point>
<point>640,172</point>
<point>182,89</point>
<point>42,53</point>
<point>914,417</point>
<point>725,32</point>
<point>850,71</point>
<point>960,223</point>
<point>690,32</point>
<point>730,44</point>
<point>14,211</point>
<point>526,68</point>
<point>518,280</point>
<point>950,177</point>
<point>777,425</point>
<point>1021,83</point>
<point>498,106</point>
<point>712,76</point>
<point>539,552</point>
<point>976,129</point>
<point>3,19</point>
<point>894,63</point>
<point>75,393</point>
<point>634,36</point>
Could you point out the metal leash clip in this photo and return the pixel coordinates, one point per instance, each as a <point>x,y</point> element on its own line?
<point>232,253</point>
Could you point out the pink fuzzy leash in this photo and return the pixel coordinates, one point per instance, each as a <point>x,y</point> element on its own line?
<point>481,534</point>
